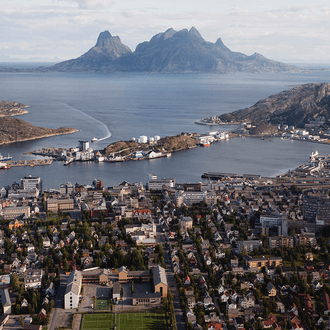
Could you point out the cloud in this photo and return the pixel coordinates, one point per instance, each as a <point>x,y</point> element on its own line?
<point>91,4</point>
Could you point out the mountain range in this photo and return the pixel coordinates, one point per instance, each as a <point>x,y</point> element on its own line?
<point>170,51</point>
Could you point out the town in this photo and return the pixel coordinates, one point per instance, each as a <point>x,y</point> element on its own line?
<point>232,252</point>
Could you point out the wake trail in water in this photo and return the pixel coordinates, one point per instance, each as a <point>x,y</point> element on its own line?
<point>108,133</point>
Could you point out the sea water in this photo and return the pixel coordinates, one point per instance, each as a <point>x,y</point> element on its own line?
<point>113,107</point>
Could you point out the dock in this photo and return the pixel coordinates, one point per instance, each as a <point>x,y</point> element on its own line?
<point>31,163</point>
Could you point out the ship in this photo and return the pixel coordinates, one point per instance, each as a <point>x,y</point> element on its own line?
<point>5,159</point>
<point>94,139</point>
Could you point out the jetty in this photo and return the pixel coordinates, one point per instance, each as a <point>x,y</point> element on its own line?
<point>30,162</point>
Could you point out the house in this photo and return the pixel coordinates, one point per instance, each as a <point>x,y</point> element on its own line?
<point>50,289</point>
<point>271,290</point>
<point>24,303</point>
<point>187,280</point>
<point>33,278</point>
<point>42,314</point>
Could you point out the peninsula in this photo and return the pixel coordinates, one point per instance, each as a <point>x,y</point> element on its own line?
<point>17,130</point>
<point>302,110</point>
<point>140,149</point>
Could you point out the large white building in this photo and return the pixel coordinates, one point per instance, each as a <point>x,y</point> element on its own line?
<point>73,289</point>
<point>32,182</point>
<point>157,184</point>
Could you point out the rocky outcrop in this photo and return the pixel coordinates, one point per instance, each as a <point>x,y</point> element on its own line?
<point>12,108</point>
<point>297,106</point>
<point>170,51</point>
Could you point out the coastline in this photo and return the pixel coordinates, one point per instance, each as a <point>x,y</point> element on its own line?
<point>71,131</point>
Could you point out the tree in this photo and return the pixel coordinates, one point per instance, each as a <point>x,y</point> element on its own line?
<point>14,282</point>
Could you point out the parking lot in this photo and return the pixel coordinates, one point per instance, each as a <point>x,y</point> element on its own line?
<point>93,290</point>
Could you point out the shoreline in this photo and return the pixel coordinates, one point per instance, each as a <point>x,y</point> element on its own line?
<point>41,137</point>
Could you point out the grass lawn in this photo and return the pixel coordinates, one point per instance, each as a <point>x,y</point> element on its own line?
<point>97,321</point>
<point>101,305</point>
<point>141,321</point>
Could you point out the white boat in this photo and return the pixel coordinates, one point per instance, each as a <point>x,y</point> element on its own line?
<point>94,139</point>
<point>4,166</point>
<point>5,159</point>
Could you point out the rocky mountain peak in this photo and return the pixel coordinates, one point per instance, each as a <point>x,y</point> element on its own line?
<point>103,38</point>
<point>194,32</point>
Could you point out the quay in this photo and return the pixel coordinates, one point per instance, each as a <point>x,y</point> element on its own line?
<point>219,176</point>
<point>31,163</point>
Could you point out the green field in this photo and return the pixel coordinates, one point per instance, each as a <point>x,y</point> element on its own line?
<point>101,304</point>
<point>141,321</point>
<point>97,321</point>
<point>125,321</point>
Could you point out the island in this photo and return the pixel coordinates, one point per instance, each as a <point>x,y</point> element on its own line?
<point>17,130</point>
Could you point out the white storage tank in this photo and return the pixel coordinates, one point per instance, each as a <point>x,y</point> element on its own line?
<point>143,139</point>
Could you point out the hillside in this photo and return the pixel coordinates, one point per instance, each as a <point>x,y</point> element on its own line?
<point>15,130</point>
<point>297,106</point>
<point>170,51</point>
<point>168,144</point>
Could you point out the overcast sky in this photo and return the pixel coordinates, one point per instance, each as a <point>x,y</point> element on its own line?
<point>285,30</point>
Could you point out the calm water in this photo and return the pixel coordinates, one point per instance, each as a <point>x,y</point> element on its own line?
<point>119,107</point>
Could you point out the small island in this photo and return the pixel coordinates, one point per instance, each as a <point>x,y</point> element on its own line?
<point>17,130</point>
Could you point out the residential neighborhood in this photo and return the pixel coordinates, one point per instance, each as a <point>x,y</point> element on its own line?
<point>233,252</point>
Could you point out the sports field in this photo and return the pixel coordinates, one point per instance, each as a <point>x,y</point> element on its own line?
<point>101,304</point>
<point>141,321</point>
<point>97,321</point>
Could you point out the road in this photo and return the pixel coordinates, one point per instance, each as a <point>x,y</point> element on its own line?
<point>55,316</point>
<point>171,282</point>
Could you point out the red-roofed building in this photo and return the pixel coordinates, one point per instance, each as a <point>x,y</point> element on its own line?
<point>214,326</point>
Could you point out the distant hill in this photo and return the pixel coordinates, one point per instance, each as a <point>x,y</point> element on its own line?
<point>170,51</point>
<point>297,106</point>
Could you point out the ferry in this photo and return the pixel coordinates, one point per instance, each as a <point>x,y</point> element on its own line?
<point>94,139</point>
<point>5,159</point>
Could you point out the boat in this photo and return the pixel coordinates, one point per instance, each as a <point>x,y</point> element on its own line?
<point>5,159</point>
<point>94,139</point>
<point>4,166</point>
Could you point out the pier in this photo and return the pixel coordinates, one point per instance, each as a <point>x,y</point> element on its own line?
<point>31,162</point>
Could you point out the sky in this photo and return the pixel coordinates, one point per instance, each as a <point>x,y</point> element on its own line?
<point>291,31</point>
